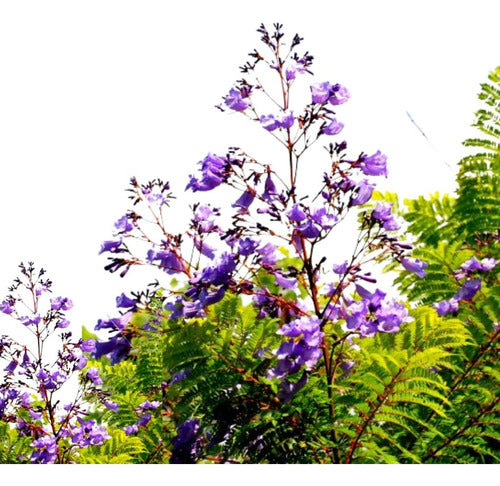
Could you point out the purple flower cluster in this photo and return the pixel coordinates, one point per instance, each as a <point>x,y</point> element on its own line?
<point>300,351</point>
<point>118,346</point>
<point>214,171</point>
<point>143,417</point>
<point>469,288</point>
<point>375,312</point>
<point>88,433</point>
<point>311,222</point>
<point>237,99</point>
<point>44,450</point>
<point>326,92</point>
<point>29,394</point>
<point>383,214</point>
<point>272,122</point>
<point>188,443</point>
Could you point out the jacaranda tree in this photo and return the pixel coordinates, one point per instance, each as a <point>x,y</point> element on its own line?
<point>258,342</point>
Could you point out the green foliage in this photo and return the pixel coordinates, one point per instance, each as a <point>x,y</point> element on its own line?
<point>13,447</point>
<point>448,233</point>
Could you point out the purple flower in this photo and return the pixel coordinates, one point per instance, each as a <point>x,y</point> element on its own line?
<point>6,307</point>
<point>204,248</point>
<point>113,406</point>
<point>245,200</point>
<point>124,302</point>
<point>469,289</point>
<point>472,264</point>
<point>357,311</point>
<point>309,230</point>
<point>52,380</point>
<point>35,415</point>
<point>288,388</point>
<point>484,265</point>
<point>302,350</point>
<point>374,165</point>
<point>28,321</point>
<point>169,261</point>
<point>131,429</point>
<point>88,345</point>
<point>270,191</point>
<point>125,224</point>
<point>373,299</point>
<point>61,303</point>
<point>414,265</point>
<point>292,70</point>
<point>364,193</point>
<point>188,443</point>
<point>235,100</point>
<point>296,214</point>
<point>323,218</point>
<point>88,433</point>
<point>147,405</point>
<point>285,283</point>
<point>45,450</point>
<point>63,324</point>
<point>321,92</point>
<point>269,122</point>
<point>347,366</point>
<point>112,246</point>
<point>286,119</point>
<point>340,269</point>
<point>143,420</point>
<point>338,94</point>
<point>93,375</point>
<point>247,246</point>
<point>446,306</point>
<point>267,254</point>
<point>202,216</point>
<point>11,367</point>
<point>333,128</point>
<point>116,324</point>
<point>214,172</point>
<point>117,348</point>
<point>390,315</point>
<point>383,213</point>
<point>181,375</point>
<point>81,363</point>
<point>488,264</point>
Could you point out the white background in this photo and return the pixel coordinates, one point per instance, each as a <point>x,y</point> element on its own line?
<point>94,92</point>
